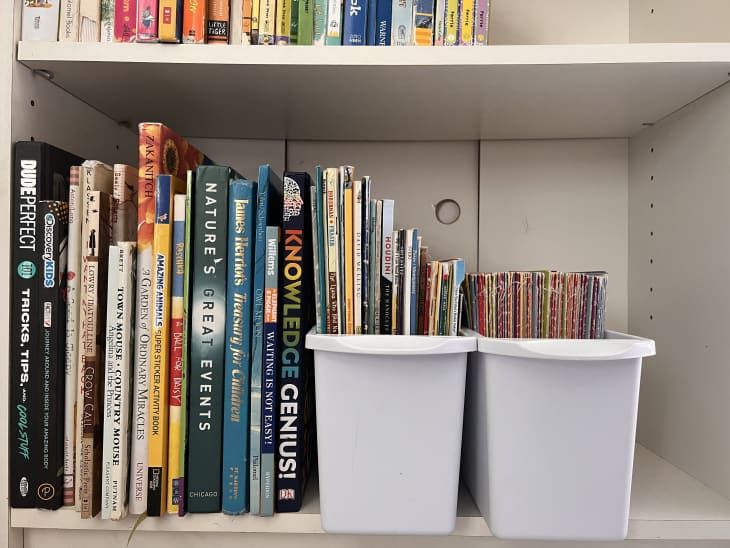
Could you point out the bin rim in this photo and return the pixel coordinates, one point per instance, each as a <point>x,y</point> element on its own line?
<point>391,345</point>
<point>615,346</point>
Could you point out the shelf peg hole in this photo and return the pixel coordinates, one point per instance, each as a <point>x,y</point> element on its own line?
<point>447,211</point>
<point>651,149</point>
<point>32,138</point>
<point>651,261</point>
<point>651,290</point>
<point>651,205</point>
<point>651,178</point>
<point>651,233</point>
<point>32,102</point>
<point>651,316</point>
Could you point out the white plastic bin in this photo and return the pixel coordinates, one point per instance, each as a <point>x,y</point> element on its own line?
<point>389,418</point>
<point>549,431</point>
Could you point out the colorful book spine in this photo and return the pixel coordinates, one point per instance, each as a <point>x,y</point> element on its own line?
<point>372,25</point>
<point>68,25</point>
<point>170,18</point>
<point>423,23</point>
<point>283,22</point>
<point>439,22</point>
<point>384,14</point>
<point>451,23</point>
<point>364,256</point>
<point>294,22</point>
<point>319,223</point>
<point>207,343</point>
<point>402,22</point>
<point>108,8</point>
<point>194,21</point>
<point>218,29</point>
<point>466,22</point>
<point>305,23</point>
<point>294,418</point>
<point>481,22</point>
<point>124,220</point>
<point>177,329</point>
<point>334,23</point>
<point>333,251</point>
<point>271,334</point>
<point>147,20</point>
<point>125,21</point>
<point>91,348</point>
<point>355,23</point>
<point>386,277</point>
<point>51,225</point>
<point>357,256</point>
<point>255,23</point>
<point>157,144</point>
<point>89,20</point>
<point>267,22</point>
<point>319,22</point>
<point>349,260</point>
<point>40,21</point>
<point>241,238</point>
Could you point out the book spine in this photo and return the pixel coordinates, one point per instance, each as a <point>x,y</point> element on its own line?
<point>268,436</point>
<point>124,223</point>
<point>108,8</point>
<point>364,256</point>
<point>315,257</point>
<point>218,29</point>
<point>147,20</point>
<point>386,278</point>
<point>194,21</point>
<point>170,17</point>
<point>91,349</point>
<point>357,256</point>
<point>376,262</point>
<point>407,276</point>
<point>125,21</point>
<point>40,21</point>
<point>396,305</point>
<point>355,23</point>
<point>334,23</point>
<point>294,289</point>
<point>240,21</point>
<point>451,23</point>
<point>294,22</point>
<point>415,256</point>
<point>89,20</point>
<point>305,23</point>
<point>423,23</point>
<point>241,220</point>
<point>283,22</point>
<point>466,22</point>
<point>175,409</point>
<point>371,31</point>
<point>384,14</point>
<point>321,226</point>
<point>68,25</point>
<point>319,22</point>
<point>439,20</point>
<point>457,278</point>
<point>402,23</point>
<point>51,225</point>
<point>422,299</point>
<point>333,251</point>
<point>349,260</point>
<point>267,22</point>
<point>255,23</point>
<point>73,268</point>
<point>121,349</point>
<point>481,22</point>
<point>207,343</point>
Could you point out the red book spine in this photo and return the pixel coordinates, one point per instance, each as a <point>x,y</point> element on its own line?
<point>125,20</point>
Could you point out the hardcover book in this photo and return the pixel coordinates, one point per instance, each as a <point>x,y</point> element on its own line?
<point>41,173</point>
<point>241,21</point>
<point>124,216</point>
<point>267,22</point>
<point>68,25</point>
<point>402,22</point>
<point>295,408</point>
<point>218,29</point>
<point>319,224</point>
<point>439,22</point>
<point>255,24</point>
<point>108,8</point>
<point>334,23</point>
<point>194,21</point>
<point>125,21</point>
<point>241,238</point>
<point>90,20</point>
<point>423,23</point>
<point>384,31</point>
<point>481,22</point>
<point>372,23</point>
<point>386,275</point>
<point>357,241</point>
<point>333,252</point>
<point>283,22</point>
<point>147,20</point>
<point>466,22</point>
<point>319,22</point>
<point>170,21</point>
<point>305,23</point>
<point>355,23</point>
<point>40,20</point>
<point>207,343</point>
<point>51,225</point>
<point>451,23</point>
<point>348,240</point>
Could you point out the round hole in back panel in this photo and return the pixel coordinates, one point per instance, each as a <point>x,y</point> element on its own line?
<point>447,211</point>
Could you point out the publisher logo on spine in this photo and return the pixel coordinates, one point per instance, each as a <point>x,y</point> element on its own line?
<point>26,270</point>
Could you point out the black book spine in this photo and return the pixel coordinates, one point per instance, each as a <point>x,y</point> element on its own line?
<point>295,406</point>
<point>207,340</point>
<point>48,379</point>
<point>365,257</point>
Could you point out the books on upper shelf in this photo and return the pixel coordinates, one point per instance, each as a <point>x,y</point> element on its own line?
<point>260,22</point>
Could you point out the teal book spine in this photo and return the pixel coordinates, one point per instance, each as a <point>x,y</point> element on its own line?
<point>268,212</point>
<point>271,334</point>
<point>318,229</point>
<point>241,211</point>
<point>207,339</point>
<point>319,23</point>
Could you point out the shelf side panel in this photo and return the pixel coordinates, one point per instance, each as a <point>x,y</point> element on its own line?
<point>679,293</point>
<point>417,176</point>
<point>558,204</point>
<point>679,21</point>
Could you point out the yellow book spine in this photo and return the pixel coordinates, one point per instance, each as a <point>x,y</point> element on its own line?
<point>349,288</point>
<point>466,20</point>
<point>169,16</point>
<point>452,22</point>
<point>283,22</point>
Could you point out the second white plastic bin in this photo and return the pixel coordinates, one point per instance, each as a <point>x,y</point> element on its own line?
<point>389,418</point>
<point>549,431</point>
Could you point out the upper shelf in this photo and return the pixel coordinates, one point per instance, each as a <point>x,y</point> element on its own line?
<point>386,93</point>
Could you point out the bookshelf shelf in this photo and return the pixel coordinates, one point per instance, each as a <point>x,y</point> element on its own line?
<point>666,504</point>
<point>371,93</point>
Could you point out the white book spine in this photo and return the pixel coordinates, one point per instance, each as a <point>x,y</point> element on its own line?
<point>236,24</point>
<point>357,254</point>
<point>107,20</point>
<point>438,27</point>
<point>72,349</point>
<point>68,26</point>
<point>90,21</point>
<point>40,20</point>
<point>334,22</point>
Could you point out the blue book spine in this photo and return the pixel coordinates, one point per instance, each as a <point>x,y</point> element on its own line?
<point>384,13</point>
<point>268,434</point>
<point>355,22</point>
<point>372,23</point>
<point>402,22</point>
<point>241,209</point>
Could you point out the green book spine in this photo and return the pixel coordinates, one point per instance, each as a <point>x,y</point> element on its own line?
<point>294,36</point>
<point>207,339</point>
<point>305,24</point>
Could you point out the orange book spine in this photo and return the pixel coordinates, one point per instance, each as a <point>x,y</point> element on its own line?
<point>218,27</point>
<point>194,15</point>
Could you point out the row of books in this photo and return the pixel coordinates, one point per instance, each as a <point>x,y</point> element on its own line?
<point>157,304</point>
<point>370,278</point>
<point>260,22</point>
<point>542,304</point>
